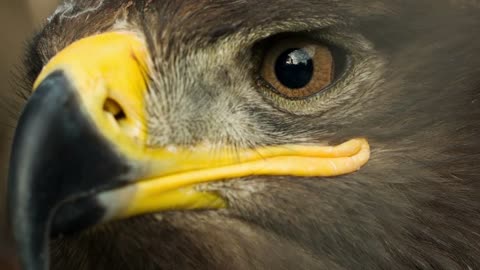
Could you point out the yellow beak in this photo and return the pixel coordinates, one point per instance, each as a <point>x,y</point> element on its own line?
<point>110,73</point>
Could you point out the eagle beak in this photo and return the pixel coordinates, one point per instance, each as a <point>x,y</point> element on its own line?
<point>81,157</point>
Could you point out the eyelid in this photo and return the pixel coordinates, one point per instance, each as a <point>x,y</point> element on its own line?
<point>361,68</point>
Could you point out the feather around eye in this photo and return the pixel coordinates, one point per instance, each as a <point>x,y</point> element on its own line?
<point>298,69</point>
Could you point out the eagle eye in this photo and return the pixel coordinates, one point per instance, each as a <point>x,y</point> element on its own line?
<point>299,68</point>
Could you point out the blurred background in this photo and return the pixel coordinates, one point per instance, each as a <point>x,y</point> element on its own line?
<point>18,21</point>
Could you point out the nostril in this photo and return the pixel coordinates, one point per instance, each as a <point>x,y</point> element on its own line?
<point>113,108</point>
<point>120,118</point>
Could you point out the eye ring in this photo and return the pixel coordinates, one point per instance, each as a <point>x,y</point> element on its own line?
<point>298,68</point>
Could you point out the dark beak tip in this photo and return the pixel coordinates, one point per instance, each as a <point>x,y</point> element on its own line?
<point>29,210</point>
<point>59,162</point>
<point>50,121</point>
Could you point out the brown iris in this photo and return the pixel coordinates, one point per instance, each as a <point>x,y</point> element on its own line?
<point>298,68</point>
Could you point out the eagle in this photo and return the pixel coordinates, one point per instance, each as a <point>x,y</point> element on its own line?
<point>242,134</point>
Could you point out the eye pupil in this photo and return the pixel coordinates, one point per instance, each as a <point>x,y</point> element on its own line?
<point>294,68</point>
